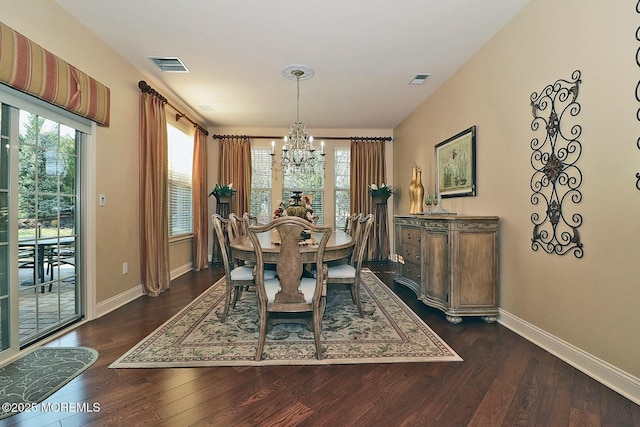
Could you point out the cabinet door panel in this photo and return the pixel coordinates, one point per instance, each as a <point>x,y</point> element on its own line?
<point>475,269</point>
<point>437,265</point>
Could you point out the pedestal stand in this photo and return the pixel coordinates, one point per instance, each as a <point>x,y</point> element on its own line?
<point>222,209</point>
<point>381,240</point>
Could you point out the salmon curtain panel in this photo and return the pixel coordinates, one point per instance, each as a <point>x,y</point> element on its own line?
<point>235,167</point>
<point>200,204</point>
<point>29,68</point>
<point>154,213</point>
<point>368,167</point>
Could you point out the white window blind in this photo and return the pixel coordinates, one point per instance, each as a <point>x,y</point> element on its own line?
<point>261,184</point>
<point>180,180</point>
<point>342,186</point>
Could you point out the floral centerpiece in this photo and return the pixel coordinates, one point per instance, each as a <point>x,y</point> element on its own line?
<point>303,211</point>
<point>381,193</point>
<point>223,193</point>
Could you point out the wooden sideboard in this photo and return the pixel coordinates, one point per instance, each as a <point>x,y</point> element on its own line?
<point>450,262</point>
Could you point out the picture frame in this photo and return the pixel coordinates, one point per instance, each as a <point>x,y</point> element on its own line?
<point>456,165</point>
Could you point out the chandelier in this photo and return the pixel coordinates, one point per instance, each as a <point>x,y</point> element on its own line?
<point>298,152</point>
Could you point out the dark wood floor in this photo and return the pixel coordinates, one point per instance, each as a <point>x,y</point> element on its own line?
<point>504,380</point>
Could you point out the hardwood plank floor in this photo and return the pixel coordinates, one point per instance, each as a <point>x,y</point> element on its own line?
<point>503,381</point>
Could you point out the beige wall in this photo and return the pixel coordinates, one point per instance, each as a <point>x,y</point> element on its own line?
<point>116,172</point>
<point>592,303</point>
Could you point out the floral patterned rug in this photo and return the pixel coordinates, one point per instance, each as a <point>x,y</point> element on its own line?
<point>389,333</point>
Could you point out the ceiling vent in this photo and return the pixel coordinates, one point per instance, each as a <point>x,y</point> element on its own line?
<point>419,79</point>
<point>169,64</point>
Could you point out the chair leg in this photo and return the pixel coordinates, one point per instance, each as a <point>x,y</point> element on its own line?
<point>355,292</point>
<point>227,302</point>
<point>237,295</point>
<point>263,332</point>
<point>317,326</point>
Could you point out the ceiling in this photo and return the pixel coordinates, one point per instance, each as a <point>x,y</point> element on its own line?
<point>364,53</point>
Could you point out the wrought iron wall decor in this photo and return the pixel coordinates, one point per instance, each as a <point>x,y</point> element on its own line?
<point>556,178</point>
<point>638,90</point>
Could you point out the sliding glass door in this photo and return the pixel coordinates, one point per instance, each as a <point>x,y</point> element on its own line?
<point>5,312</point>
<point>47,226</point>
<point>41,280</point>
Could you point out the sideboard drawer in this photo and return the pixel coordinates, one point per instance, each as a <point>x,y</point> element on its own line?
<point>411,253</point>
<point>411,271</point>
<point>410,236</point>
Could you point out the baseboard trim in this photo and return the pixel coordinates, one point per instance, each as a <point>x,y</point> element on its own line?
<point>616,379</point>
<point>177,272</point>
<point>118,301</point>
<point>127,296</point>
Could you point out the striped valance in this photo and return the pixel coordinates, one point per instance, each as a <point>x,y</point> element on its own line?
<point>27,67</point>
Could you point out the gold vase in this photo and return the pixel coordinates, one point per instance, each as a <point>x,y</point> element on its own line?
<point>412,189</point>
<point>419,193</point>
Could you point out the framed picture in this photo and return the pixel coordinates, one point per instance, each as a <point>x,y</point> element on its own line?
<point>456,165</point>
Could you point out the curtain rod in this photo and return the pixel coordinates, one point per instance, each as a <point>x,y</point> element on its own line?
<point>316,138</point>
<point>144,87</point>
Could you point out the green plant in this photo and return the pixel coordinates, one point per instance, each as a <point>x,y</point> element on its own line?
<point>223,190</point>
<point>382,190</point>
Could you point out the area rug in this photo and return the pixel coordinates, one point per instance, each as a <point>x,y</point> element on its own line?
<point>390,332</point>
<point>38,374</point>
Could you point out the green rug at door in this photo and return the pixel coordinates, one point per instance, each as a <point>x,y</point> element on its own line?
<point>38,374</point>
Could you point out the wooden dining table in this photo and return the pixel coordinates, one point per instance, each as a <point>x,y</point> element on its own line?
<point>340,245</point>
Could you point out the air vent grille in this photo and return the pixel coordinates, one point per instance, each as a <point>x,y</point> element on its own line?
<point>419,79</point>
<point>169,64</point>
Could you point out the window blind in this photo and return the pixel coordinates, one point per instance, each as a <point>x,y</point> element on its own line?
<point>179,195</point>
<point>261,184</point>
<point>342,186</point>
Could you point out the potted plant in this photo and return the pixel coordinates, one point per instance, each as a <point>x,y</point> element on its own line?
<point>223,193</point>
<point>380,194</point>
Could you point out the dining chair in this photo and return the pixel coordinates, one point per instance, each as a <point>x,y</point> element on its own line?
<point>60,255</point>
<point>289,291</point>
<point>249,219</point>
<point>236,277</point>
<point>349,223</point>
<point>27,259</point>
<point>349,273</point>
<point>237,225</point>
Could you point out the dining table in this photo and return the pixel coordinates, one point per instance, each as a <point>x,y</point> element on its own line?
<point>339,245</point>
<point>40,250</point>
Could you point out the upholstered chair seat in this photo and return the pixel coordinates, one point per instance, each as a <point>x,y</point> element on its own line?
<point>341,271</point>
<point>245,272</point>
